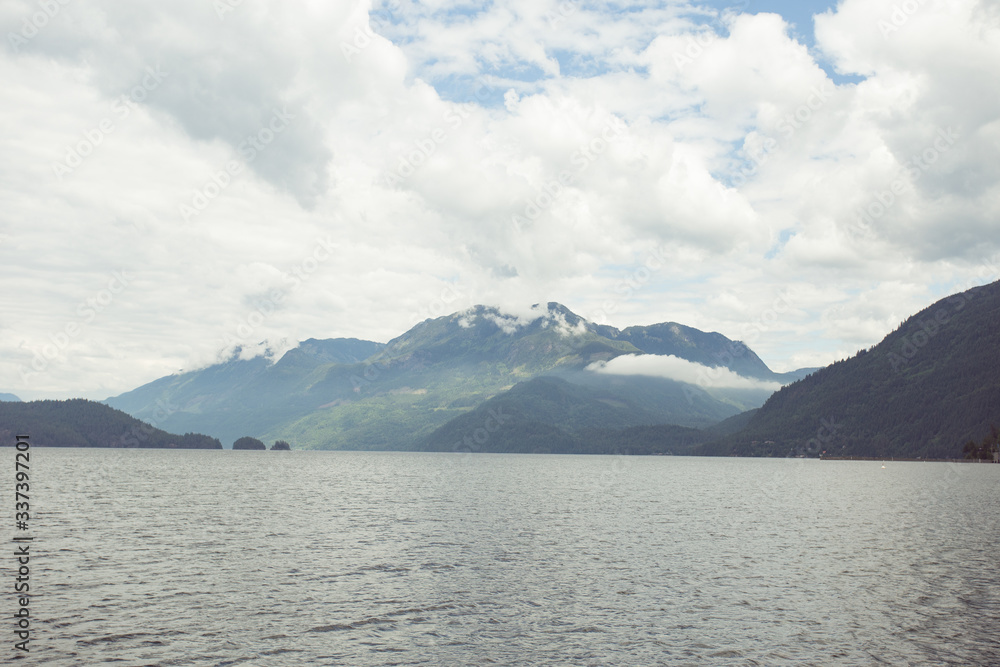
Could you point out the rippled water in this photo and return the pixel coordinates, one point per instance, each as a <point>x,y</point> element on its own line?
<point>329,558</point>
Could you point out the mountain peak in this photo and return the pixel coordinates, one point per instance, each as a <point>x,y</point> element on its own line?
<point>367,395</point>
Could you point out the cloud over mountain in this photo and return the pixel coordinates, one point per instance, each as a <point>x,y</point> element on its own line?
<point>310,169</point>
<point>682,370</point>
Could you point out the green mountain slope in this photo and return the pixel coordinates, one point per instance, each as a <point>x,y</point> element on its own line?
<point>83,423</point>
<point>241,397</point>
<point>549,414</point>
<point>731,425</point>
<point>709,349</point>
<point>438,370</point>
<point>321,396</point>
<point>925,390</point>
<point>675,402</point>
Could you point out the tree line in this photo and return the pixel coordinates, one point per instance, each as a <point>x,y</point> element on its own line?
<point>986,450</point>
<point>247,442</point>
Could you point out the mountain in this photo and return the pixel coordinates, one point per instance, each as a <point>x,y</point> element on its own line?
<point>83,423</point>
<point>549,414</point>
<point>330,395</point>
<point>9,398</point>
<point>242,396</point>
<point>731,425</point>
<point>924,391</point>
<point>438,370</point>
<point>333,351</point>
<point>708,349</point>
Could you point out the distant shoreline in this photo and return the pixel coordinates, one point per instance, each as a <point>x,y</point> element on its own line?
<point>882,459</point>
<point>887,458</point>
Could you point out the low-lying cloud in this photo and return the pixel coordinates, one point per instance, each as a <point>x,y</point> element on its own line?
<point>681,370</point>
<point>509,320</point>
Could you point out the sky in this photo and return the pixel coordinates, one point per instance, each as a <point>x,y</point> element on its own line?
<point>179,180</point>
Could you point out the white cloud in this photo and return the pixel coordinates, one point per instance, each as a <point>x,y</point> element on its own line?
<point>681,370</point>
<point>511,319</point>
<point>508,325</point>
<point>746,169</point>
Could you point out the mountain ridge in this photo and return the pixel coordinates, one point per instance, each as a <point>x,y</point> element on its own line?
<point>926,389</point>
<point>79,422</point>
<point>552,415</point>
<point>404,389</point>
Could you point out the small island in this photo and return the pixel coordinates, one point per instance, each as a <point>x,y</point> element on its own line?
<point>246,442</point>
<point>281,446</point>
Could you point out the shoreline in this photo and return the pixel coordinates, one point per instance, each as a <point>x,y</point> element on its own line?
<point>895,459</point>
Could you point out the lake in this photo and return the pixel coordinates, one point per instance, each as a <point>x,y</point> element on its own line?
<point>152,557</point>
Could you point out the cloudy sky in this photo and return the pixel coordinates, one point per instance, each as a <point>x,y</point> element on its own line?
<point>181,177</point>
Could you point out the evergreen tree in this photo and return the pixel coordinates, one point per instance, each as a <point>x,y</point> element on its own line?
<point>246,442</point>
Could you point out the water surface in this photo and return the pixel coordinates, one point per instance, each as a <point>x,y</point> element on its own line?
<point>155,557</point>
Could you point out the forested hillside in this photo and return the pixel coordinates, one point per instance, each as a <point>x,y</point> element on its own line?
<point>927,389</point>
<point>551,415</point>
<point>82,423</point>
<point>350,394</point>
